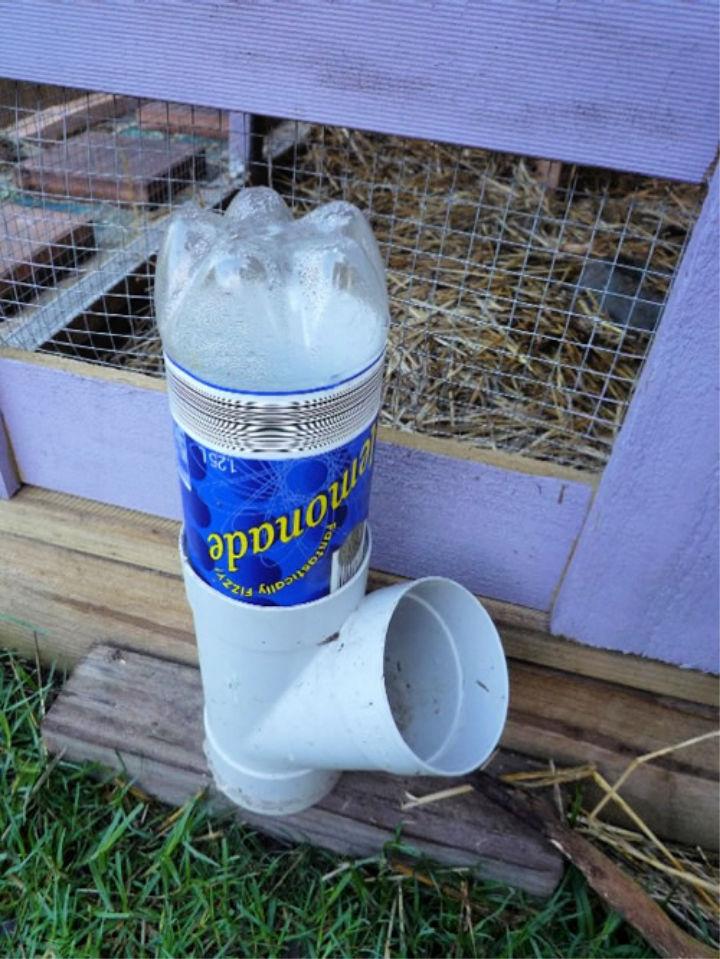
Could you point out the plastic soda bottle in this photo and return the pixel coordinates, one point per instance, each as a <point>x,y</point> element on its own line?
<point>274,332</point>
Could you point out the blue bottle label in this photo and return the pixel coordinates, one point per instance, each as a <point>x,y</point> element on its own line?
<point>275,508</point>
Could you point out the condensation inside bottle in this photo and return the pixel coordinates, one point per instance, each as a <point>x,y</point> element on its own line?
<point>256,300</point>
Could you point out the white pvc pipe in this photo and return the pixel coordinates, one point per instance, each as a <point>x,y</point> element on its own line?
<point>411,680</point>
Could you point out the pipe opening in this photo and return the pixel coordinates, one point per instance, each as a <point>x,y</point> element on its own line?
<point>445,677</point>
<point>422,676</point>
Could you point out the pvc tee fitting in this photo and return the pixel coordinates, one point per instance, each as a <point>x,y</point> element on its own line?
<point>410,679</point>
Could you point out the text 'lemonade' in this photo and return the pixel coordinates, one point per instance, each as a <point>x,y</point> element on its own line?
<point>274,332</point>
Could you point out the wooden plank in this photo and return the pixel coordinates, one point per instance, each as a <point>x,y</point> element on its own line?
<point>575,719</point>
<point>57,601</point>
<point>466,451</point>
<point>183,118</point>
<point>503,533</point>
<point>64,119</point>
<point>150,543</point>
<point>624,669</point>
<point>644,577</point>
<point>642,96</point>
<point>65,438</point>
<point>9,480</point>
<point>102,166</point>
<point>240,143</point>
<point>549,172</point>
<point>38,245</point>
<point>144,715</point>
<point>95,529</point>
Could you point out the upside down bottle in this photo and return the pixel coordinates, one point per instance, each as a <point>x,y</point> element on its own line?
<point>274,333</point>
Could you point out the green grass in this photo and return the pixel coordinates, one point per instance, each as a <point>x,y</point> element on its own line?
<point>89,866</point>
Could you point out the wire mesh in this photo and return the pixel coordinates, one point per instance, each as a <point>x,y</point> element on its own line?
<point>522,311</point>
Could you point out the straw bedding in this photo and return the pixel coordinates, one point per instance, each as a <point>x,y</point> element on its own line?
<point>684,880</point>
<point>494,338</point>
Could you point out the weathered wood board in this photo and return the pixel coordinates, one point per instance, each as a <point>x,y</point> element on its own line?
<point>143,715</point>
<point>150,543</point>
<point>37,246</point>
<point>101,166</point>
<point>74,573</point>
<point>64,119</point>
<point>575,719</point>
<point>183,118</point>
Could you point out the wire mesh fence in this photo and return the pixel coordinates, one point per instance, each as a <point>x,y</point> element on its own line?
<point>522,310</point>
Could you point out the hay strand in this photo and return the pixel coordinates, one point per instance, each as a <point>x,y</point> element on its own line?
<point>648,757</point>
<point>494,338</point>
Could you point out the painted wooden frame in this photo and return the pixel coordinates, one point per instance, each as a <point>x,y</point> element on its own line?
<point>644,577</point>
<point>621,84</point>
<point>503,525</point>
<point>628,84</point>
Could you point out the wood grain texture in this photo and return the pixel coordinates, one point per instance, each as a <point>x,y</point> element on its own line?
<point>182,118</point>
<point>9,479</point>
<point>622,894</point>
<point>95,529</point>
<point>624,84</point>
<point>579,720</point>
<point>537,646</point>
<point>62,602</point>
<point>148,542</point>
<point>144,715</point>
<point>644,577</point>
<point>64,119</point>
<point>103,166</point>
<point>502,533</point>
<point>59,600</point>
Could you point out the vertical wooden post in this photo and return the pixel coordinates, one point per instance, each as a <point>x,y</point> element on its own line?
<point>9,480</point>
<point>644,576</point>
<point>239,143</point>
<point>549,172</point>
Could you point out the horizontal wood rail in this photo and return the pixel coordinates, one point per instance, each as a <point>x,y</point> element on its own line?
<point>77,573</point>
<point>503,525</point>
<point>627,84</point>
<point>89,535</point>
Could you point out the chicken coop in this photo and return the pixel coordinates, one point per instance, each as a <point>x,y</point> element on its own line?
<point>540,180</point>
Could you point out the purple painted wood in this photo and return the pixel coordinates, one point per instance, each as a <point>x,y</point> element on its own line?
<point>104,440</point>
<point>9,482</point>
<point>502,533</point>
<point>629,84</point>
<point>644,577</point>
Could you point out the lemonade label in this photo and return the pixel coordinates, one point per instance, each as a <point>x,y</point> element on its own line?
<point>289,526</point>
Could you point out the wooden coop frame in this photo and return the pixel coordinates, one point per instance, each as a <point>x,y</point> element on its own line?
<point>623,563</point>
